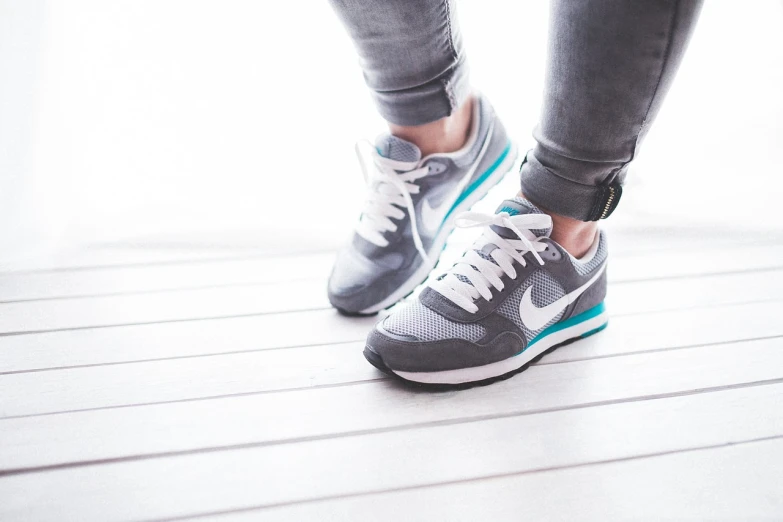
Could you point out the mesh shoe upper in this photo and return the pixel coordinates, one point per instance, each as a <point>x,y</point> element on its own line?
<point>416,320</point>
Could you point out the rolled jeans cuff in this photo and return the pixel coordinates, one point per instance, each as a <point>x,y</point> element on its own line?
<point>566,197</point>
<point>431,101</point>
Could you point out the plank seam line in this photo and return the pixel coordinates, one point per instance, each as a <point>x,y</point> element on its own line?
<point>389,429</point>
<point>329,308</point>
<point>215,260</point>
<point>206,261</point>
<point>314,280</point>
<point>163,321</point>
<point>179,357</point>
<point>542,362</point>
<point>298,388</point>
<point>486,478</point>
<point>217,286</point>
<point>176,289</point>
<point>305,388</point>
<point>760,269</point>
<point>198,399</point>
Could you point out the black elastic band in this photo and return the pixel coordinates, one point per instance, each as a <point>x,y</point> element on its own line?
<point>606,201</point>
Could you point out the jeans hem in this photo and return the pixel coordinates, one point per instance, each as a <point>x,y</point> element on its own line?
<point>563,196</point>
<point>428,102</point>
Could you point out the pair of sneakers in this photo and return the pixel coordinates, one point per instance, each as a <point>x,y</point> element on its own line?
<point>513,296</point>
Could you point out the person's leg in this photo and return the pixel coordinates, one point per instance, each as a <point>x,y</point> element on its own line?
<point>445,150</point>
<point>610,66</point>
<point>414,64</point>
<point>536,278</point>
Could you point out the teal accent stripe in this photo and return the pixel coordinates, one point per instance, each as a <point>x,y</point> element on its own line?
<point>594,331</point>
<point>481,179</point>
<point>584,316</point>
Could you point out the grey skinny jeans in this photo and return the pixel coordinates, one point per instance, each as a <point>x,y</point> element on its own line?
<point>610,65</point>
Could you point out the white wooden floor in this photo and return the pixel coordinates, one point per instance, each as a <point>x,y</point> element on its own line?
<point>158,387</point>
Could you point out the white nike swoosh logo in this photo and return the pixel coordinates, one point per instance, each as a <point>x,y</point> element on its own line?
<point>534,317</point>
<point>432,217</point>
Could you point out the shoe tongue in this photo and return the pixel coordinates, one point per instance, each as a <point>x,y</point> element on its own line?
<point>515,207</point>
<point>512,207</point>
<point>397,149</point>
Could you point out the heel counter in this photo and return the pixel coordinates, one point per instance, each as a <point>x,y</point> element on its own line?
<point>592,297</point>
<point>500,145</point>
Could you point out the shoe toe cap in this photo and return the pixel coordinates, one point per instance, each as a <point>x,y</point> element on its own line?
<point>410,354</point>
<point>357,282</point>
<point>416,339</point>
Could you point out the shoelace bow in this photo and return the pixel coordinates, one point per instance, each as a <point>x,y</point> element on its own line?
<point>391,184</point>
<point>482,273</point>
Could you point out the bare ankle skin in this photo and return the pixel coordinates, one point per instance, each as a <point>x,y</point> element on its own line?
<point>575,236</point>
<point>444,135</point>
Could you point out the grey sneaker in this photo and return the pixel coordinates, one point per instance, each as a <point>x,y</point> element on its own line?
<point>410,212</point>
<point>513,297</point>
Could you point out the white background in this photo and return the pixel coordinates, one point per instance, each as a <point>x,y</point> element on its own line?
<point>212,124</point>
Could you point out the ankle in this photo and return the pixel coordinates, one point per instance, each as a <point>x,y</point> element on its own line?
<point>447,134</point>
<point>575,236</point>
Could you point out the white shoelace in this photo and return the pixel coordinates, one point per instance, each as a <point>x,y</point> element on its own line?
<point>390,183</point>
<point>483,273</point>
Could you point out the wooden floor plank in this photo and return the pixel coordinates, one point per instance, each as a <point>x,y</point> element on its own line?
<point>327,412</point>
<point>628,235</point>
<point>211,408</point>
<point>41,316</point>
<point>739,482</point>
<point>160,307</point>
<point>171,340</point>
<point>157,278</point>
<point>197,273</point>
<point>182,379</point>
<point>149,253</point>
<point>168,340</point>
<point>675,329</point>
<point>269,370</point>
<point>265,476</point>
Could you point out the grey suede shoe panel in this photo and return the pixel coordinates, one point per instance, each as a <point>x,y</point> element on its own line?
<point>592,296</point>
<point>366,295</point>
<point>447,354</point>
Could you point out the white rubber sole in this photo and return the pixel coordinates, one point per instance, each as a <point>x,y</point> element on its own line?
<point>497,369</point>
<point>420,275</point>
